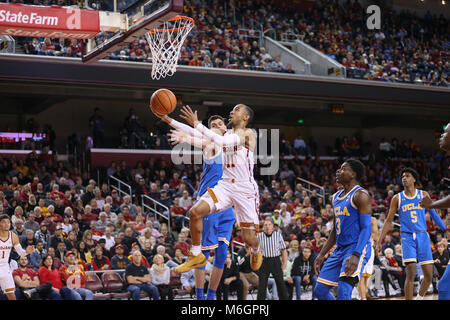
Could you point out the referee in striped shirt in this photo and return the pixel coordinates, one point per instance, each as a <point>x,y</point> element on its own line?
<point>272,247</point>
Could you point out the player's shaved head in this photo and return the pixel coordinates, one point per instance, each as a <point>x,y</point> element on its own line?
<point>248,111</point>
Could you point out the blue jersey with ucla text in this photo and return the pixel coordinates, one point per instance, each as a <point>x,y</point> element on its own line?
<point>212,173</point>
<point>346,217</point>
<point>411,214</point>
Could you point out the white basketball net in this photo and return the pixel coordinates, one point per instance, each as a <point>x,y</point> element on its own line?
<point>165,44</point>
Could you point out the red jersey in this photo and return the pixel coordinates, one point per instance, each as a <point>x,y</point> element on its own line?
<point>25,275</point>
<point>76,270</point>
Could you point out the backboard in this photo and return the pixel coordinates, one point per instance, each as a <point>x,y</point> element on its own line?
<point>125,21</point>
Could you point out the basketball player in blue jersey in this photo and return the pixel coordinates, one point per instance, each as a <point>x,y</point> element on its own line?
<point>351,233</point>
<point>217,227</point>
<point>416,247</point>
<point>427,203</point>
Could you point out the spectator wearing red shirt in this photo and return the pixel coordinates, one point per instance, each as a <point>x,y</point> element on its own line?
<point>135,247</point>
<point>195,61</point>
<point>56,218</point>
<point>99,261</point>
<point>139,224</point>
<point>387,201</point>
<point>177,213</point>
<point>47,273</point>
<point>116,198</point>
<point>34,184</point>
<point>175,181</point>
<point>182,244</point>
<point>126,214</point>
<point>73,275</point>
<point>55,192</point>
<point>27,279</point>
<point>96,234</point>
<point>88,216</point>
<point>315,242</point>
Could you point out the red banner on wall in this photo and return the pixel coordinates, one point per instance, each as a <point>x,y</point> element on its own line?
<point>48,22</point>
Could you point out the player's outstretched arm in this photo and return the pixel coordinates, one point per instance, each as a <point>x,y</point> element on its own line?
<point>434,215</point>
<point>222,141</point>
<point>181,126</point>
<point>427,203</point>
<point>177,136</point>
<point>387,225</point>
<point>18,247</point>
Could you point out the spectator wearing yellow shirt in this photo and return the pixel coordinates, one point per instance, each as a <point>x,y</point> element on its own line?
<point>43,208</point>
<point>22,168</point>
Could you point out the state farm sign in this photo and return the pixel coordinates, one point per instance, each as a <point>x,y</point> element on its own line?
<point>49,22</point>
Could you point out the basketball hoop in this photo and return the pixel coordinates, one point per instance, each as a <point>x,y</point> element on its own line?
<point>165,44</point>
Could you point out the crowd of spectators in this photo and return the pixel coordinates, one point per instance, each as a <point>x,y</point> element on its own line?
<point>64,212</point>
<point>407,49</point>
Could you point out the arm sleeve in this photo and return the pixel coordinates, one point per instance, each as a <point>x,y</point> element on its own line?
<point>365,232</point>
<point>221,141</point>
<point>20,250</point>
<point>185,128</point>
<point>437,219</point>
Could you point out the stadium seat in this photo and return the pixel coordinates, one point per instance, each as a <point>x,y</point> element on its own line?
<point>94,284</point>
<point>114,285</point>
<point>175,283</point>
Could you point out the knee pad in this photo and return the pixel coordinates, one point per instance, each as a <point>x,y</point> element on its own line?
<point>220,255</point>
<point>322,292</point>
<point>206,253</point>
<point>344,291</point>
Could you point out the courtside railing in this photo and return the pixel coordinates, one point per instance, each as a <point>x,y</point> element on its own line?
<point>309,186</point>
<point>122,187</point>
<point>157,208</point>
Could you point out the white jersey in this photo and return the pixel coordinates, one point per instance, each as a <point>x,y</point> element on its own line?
<point>5,250</point>
<point>238,163</point>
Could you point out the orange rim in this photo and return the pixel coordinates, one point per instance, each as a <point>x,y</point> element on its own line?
<point>188,19</point>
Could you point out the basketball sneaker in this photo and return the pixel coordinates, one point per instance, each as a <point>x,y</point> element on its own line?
<point>192,262</point>
<point>256,260</point>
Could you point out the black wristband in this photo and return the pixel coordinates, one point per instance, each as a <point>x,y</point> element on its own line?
<point>356,254</point>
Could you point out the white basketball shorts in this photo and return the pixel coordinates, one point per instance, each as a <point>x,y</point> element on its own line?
<point>242,195</point>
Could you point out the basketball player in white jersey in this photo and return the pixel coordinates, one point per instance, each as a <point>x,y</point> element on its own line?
<point>368,269</point>
<point>9,240</point>
<point>237,187</point>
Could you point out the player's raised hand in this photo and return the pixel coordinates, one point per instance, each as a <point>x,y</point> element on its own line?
<point>29,250</point>
<point>176,137</point>
<point>426,202</point>
<point>189,115</point>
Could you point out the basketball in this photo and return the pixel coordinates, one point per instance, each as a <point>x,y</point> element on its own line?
<point>163,102</point>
